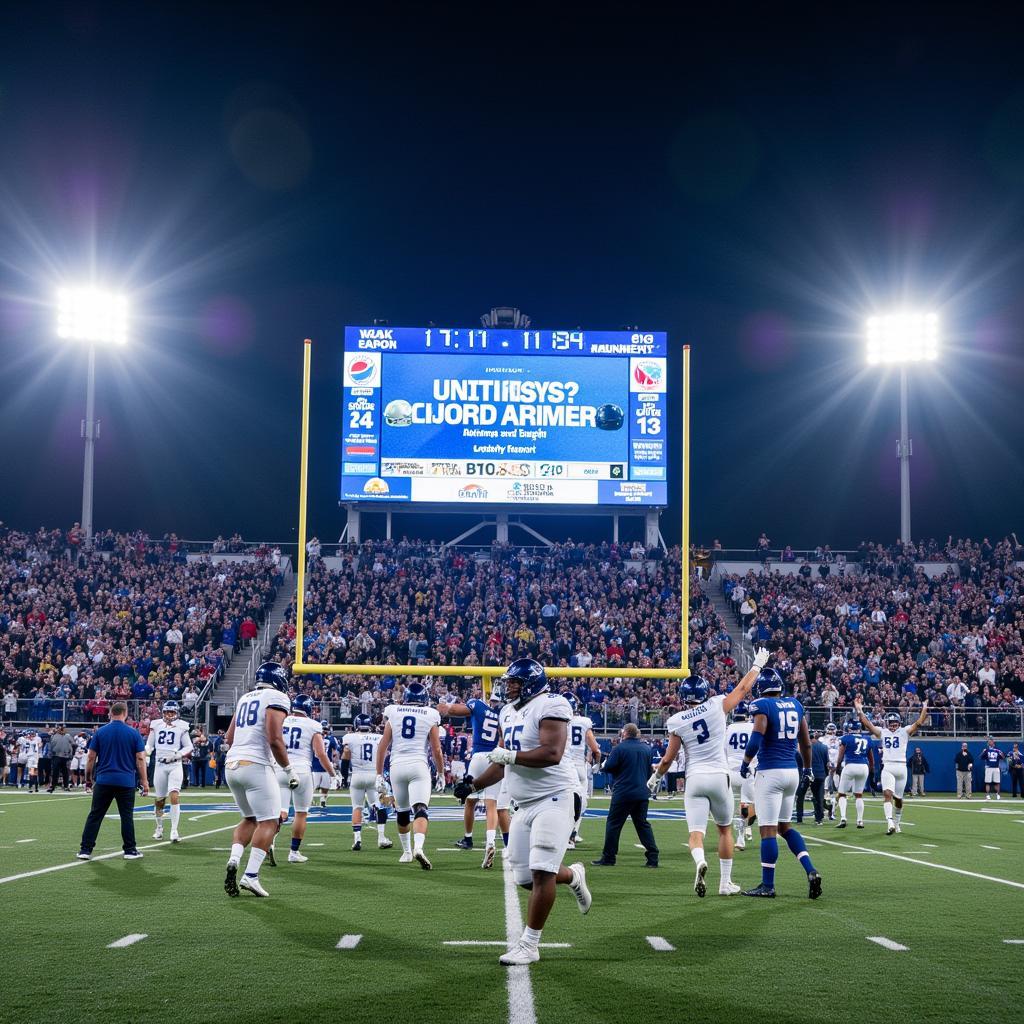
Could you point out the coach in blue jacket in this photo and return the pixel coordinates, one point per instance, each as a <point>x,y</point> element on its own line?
<point>630,765</point>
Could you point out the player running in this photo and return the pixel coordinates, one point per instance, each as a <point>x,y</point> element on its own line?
<point>701,730</point>
<point>736,739</point>
<point>991,756</point>
<point>895,739</point>
<point>855,763</point>
<point>542,782</point>
<point>359,749</point>
<point>170,739</point>
<point>581,744</point>
<point>411,733</point>
<point>779,728</point>
<point>483,717</point>
<point>255,740</point>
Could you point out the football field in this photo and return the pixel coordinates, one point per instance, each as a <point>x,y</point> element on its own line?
<point>927,925</point>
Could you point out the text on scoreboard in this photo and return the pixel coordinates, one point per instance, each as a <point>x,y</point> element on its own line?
<point>485,415</point>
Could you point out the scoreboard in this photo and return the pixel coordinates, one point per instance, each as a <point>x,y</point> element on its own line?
<point>462,416</point>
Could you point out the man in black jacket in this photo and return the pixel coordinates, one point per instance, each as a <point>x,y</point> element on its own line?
<point>630,764</point>
<point>918,770</point>
<point>1015,762</point>
<point>964,764</point>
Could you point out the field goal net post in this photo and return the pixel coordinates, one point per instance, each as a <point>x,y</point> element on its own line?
<point>487,673</point>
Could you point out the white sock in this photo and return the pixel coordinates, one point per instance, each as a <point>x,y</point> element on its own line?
<point>860,810</point>
<point>467,835</point>
<point>256,856</point>
<point>888,811</point>
<point>531,936</point>
<point>403,838</point>
<point>698,855</point>
<point>380,831</point>
<point>175,816</point>
<point>897,815</point>
<point>739,828</point>
<point>490,836</point>
<point>159,819</point>
<point>237,849</point>
<point>842,808</point>
<point>726,866</point>
<point>417,842</point>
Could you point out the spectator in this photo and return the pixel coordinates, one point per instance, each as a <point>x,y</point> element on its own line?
<point>61,750</point>
<point>1015,763</point>
<point>964,765</point>
<point>918,770</point>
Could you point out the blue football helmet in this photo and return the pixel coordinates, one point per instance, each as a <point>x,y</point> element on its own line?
<point>497,694</point>
<point>170,706</point>
<point>416,693</point>
<point>362,723</point>
<point>695,690</point>
<point>530,676</point>
<point>273,675</point>
<point>741,712</point>
<point>850,726</point>
<point>302,705</point>
<point>769,682</point>
<point>893,721</point>
<point>326,726</point>
<point>831,729</point>
<point>573,702</point>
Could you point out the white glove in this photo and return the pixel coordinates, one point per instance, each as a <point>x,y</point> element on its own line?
<point>761,658</point>
<point>654,783</point>
<point>293,777</point>
<point>382,786</point>
<point>501,755</point>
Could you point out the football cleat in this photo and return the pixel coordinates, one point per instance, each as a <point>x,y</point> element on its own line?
<point>421,858</point>
<point>406,858</point>
<point>175,838</point>
<point>891,830</point>
<point>766,892</point>
<point>813,885</point>
<point>133,855</point>
<point>898,830</point>
<point>465,843</point>
<point>579,887</point>
<point>251,883</point>
<point>294,857</point>
<point>271,858</point>
<point>83,855</point>
<point>488,860</point>
<point>842,823</point>
<point>357,844</point>
<point>158,833</point>
<point>750,833</point>
<point>699,885</point>
<point>231,880</point>
<point>571,845</point>
<point>385,843</point>
<point>729,889</point>
<point>740,844</point>
<point>519,955</point>
<point>860,824</point>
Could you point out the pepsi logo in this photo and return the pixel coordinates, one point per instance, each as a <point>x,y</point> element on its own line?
<point>360,370</point>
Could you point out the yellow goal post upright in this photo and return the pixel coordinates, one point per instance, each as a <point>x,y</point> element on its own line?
<point>486,673</point>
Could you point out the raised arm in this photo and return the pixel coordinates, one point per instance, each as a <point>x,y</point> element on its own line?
<point>864,720</point>
<point>742,689</point>
<point>914,726</point>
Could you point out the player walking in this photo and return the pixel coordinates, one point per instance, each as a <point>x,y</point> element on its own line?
<point>701,730</point>
<point>324,778</point>
<point>855,764</point>
<point>991,756</point>
<point>170,739</point>
<point>531,758</point>
<point>779,728</point>
<point>736,739</point>
<point>33,747</point>
<point>581,744</point>
<point>831,741</point>
<point>359,749</point>
<point>895,739</point>
<point>256,742</point>
<point>410,734</point>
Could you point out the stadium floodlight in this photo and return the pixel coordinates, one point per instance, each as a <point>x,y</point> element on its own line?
<point>98,318</point>
<point>899,339</point>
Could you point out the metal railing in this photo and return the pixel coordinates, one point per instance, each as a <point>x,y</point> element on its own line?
<point>74,713</point>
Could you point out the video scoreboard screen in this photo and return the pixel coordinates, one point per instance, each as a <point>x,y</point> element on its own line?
<point>465,416</point>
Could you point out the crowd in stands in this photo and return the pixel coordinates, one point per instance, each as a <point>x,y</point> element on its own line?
<point>133,619</point>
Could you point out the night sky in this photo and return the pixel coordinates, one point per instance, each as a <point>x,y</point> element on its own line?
<point>755,185</point>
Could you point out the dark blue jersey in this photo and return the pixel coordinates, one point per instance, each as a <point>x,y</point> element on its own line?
<point>991,756</point>
<point>778,748</point>
<point>484,721</point>
<point>856,748</point>
<point>330,746</point>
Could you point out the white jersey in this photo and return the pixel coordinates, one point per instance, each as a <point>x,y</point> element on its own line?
<point>894,745</point>
<point>81,747</point>
<point>299,731</point>
<point>30,747</point>
<point>832,742</point>
<point>250,741</point>
<point>410,732</point>
<point>362,748</point>
<point>169,741</point>
<point>736,739</point>
<point>520,730</point>
<point>702,730</point>
<point>577,748</point>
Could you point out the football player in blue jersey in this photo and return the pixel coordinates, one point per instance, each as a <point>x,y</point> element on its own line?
<point>483,717</point>
<point>779,728</point>
<point>323,774</point>
<point>855,764</point>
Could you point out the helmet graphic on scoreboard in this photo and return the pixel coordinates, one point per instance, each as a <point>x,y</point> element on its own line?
<point>398,413</point>
<point>610,417</point>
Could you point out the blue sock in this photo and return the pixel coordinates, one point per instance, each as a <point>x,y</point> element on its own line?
<point>504,838</point>
<point>296,843</point>
<point>769,857</point>
<point>358,829</point>
<point>796,844</point>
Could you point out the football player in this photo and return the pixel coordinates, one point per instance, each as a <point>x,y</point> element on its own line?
<point>831,740</point>
<point>701,730</point>
<point>359,749</point>
<point>581,749</point>
<point>411,733</point>
<point>736,739</point>
<point>33,747</point>
<point>79,759</point>
<point>483,718</point>
<point>854,763</point>
<point>779,728</point>
<point>255,742</point>
<point>895,739</point>
<point>170,739</point>
<point>541,780</point>
<point>323,771</point>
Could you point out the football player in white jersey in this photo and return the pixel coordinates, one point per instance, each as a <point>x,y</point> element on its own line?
<point>736,739</point>
<point>255,742</point>
<point>359,748</point>
<point>411,732</point>
<point>33,749</point>
<point>170,739</point>
<point>581,747</point>
<point>542,782</point>
<point>79,759</point>
<point>895,739</point>
<point>701,729</point>
<point>831,741</point>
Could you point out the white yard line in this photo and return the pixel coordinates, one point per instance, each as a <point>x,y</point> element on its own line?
<point>348,941</point>
<point>520,989</point>
<point>498,942</point>
<point>128,940</point>
<point>52,800</point>
<point>660,944</point>
<point>887,943</point>
<point>1014,942</point>
<point>931,846</point>
<point>107,856</point>
<point>24,840</point>
<point>984,847</point>
<point>925,863</point>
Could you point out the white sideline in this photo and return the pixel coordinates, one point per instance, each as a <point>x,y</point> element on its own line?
<point>128,940</point>
<point>660,944</point>
<point>887,943</point>
<point>348,942</point>
<point>108,856</point>
<point>926,863</point>
<point>520,989</point>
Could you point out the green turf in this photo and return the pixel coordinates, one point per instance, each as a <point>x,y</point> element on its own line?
<point>211,958</point>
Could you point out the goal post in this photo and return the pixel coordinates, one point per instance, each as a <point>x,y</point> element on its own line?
<point>487,672</point>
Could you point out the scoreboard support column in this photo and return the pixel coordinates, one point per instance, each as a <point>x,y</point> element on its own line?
<point>652,534</point>
<point>501,527</point>
<point>353,527</point>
